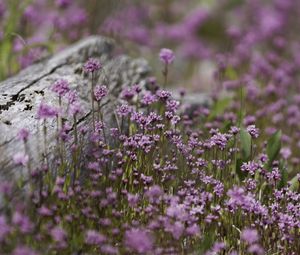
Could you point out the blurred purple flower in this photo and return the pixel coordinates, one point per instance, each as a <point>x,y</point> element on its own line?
<point>20,158</point>
<point>100,92</point>
<point>23,250</point>
<point>23,134</point>
<point>92,237</point>
<point>46,111</point>
<point>92,65</point>
<point>253,131</point>
<point>138,240</point>
<point>166,56</point>
<point>250,235</point>
<point>61,87</point>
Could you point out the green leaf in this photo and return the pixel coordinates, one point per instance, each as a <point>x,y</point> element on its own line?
<point>245,138</point>
<point>274,146</point>
<point>294,183</point>
<point>219,107</point>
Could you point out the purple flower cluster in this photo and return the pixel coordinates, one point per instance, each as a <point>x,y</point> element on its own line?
<point>100,92</point>
<point>46,111</point>
<point>92,65</point>
<point>61,87</point>
<point>166,56</point>
<point>164,177</point>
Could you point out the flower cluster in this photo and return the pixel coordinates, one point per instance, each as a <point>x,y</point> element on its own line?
<point>92,65</point>
<point>100,92</point>
<point>152,187</point>
<point>160,176</point>
<point>166,56</point>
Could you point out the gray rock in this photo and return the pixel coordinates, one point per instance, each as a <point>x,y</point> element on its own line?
<point>21,95</point>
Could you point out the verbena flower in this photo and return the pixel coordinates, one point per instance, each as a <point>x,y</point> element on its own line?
<point>63,3</point>
<point>46,111</point>
<point>58,234</point>
<point>21,159</point>
<point>75,108</point>
<point>138,240</point>
<point>23,134</point>
<point>100,92</point>
<point>166,56</point>
<point>253,131</point>
<point>250,235</point>
<point>23,250</point>
<point>256,249</point>
<point>22,222</point>
<point>92,65</point>
<point>61,87</point>
<point>123,110</point>
<point>250,167</point>
<point>92,237</point>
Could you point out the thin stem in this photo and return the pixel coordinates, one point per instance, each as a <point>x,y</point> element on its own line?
<point>93,103</point>
<point>165,73</point>
<point>241,107</point>
<point>45,141</point>
<point>75,129</point>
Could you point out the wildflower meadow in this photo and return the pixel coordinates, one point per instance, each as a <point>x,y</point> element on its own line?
<point>169,176</point>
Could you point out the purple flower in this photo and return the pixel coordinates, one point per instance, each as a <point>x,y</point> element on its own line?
<point>253,131</point>
<point>163,94</point>
<point>23,250</point>
<point>148,99</point>
<point>128,93</point>
<point>100,92</point>
<point>72,96</point>
<point>92,237</point>
<point>234,130</point>
<point>123,110</point>
<point>154,192</point>
<point>23,134</point>
<point>285,152</point>
<point>237,195</point>
<point>61,87</point>
<point>138,240</point>
<point>58,234</point>
<point>220,140</point>
<point>177,230</point>
<point>92,65</point>
<point>256,249</point>
<point>166,56</point>
<point>193,230</point>
<point>44,211</point>
<point>109,249</point>
<point>75,108</point>
<point>63,3</point>
<point>22,222</point>
<point>133,199</point>
<point>20,158</point>
<point>250,235</point>
<point>173,105</point>
<point>46,111</point>
<point>216,249</point>
<point>250,167</point>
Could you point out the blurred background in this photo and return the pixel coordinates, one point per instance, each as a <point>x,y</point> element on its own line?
<point>195,29</point>
<point>210,38</point>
